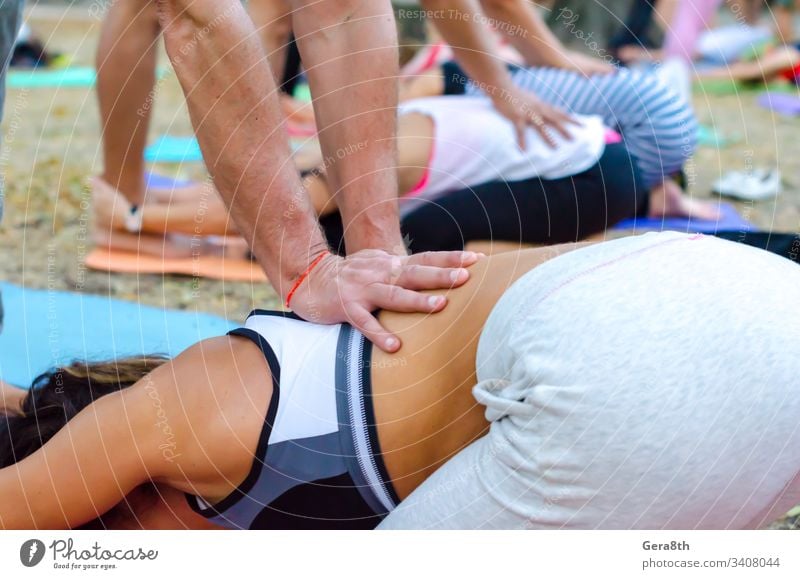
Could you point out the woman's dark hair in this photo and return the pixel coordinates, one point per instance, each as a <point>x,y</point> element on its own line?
<point>57,396</point>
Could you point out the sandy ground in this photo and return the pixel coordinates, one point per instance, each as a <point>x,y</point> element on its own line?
<point>52,145</point>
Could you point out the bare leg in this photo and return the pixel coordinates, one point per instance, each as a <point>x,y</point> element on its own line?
<point>170,230</point>
<point>784,20</point>
<point>126,63</point>
<point>201,215</point>
<point>175,246</point>
<point>669,200</point>
<point>273,21</point>
<point>665,12</point>
<point>685,27</point>
<point>764,68</point>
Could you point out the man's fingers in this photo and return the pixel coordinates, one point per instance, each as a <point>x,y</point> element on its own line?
<point>368,325</point>
<point>423,277</point>
<point>399,299</point>
<point>444,258</point>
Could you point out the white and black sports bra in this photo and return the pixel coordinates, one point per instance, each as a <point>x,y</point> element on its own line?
<point>318,464</point>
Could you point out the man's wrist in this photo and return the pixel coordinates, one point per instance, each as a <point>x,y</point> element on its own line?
<point>377,238</point>
<point>294,268</point>
<point>299,281</point>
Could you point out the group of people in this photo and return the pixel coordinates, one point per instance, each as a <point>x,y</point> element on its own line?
<point>644,382</point>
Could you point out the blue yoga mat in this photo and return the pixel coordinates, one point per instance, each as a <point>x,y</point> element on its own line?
<point>69,77</point>
<point>59,78</point>
<point>44,328</point>
<point>169,149</point>
<point>729,220</point>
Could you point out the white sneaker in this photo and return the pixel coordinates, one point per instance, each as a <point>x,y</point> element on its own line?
<point>755,185</point>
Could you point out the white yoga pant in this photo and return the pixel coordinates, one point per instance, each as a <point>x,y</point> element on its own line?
<point>650,382</point>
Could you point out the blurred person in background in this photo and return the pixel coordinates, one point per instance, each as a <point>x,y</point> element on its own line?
<point>10,20</point>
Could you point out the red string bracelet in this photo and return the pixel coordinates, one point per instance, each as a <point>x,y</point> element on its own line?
<point>303,277</point>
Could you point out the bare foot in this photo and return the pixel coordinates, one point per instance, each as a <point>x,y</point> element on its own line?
<point>174,246</point>
<point>669,200</point>
<point>141,243</point>
<point>108,205</point>
<point>180,193</point>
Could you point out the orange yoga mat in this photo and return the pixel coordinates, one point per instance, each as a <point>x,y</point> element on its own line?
<point>212,267</point>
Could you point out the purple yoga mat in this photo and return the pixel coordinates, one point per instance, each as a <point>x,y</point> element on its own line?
<point>729,220</point>
<point>785,104</point>
<point>165,182</point>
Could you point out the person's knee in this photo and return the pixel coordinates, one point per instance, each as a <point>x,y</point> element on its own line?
<point>435,5</point>
<point>330,13</point>
<point>497,6</point>
<point>141,11</point>
<point>187,22</point>
<point>193,13</point>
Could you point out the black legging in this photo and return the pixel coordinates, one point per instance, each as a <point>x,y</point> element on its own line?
<point>784,244</point>
<point>635,30</point>
<point>291,69</point>
<point>531,211</point>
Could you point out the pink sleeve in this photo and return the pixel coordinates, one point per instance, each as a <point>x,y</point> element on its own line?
<point>612,136</point>
<point>691,18</point>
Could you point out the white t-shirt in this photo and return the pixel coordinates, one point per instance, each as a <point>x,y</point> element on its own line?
<point>474,144</point>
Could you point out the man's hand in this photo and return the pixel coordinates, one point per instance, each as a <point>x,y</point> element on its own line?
<point>351,289</point>
<point>524,109</point>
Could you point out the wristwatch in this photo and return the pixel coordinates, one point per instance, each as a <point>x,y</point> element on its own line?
<point>133,219</point>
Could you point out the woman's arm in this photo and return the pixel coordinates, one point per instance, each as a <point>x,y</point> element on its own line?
<point>86,469</point>
<point>460,24</point>
<point>525,29</point>
<point>192,424</point>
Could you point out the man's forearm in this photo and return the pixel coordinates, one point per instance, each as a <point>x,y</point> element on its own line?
<point>349,48</point>
<point>519,21</point>
<point>234,108</point>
